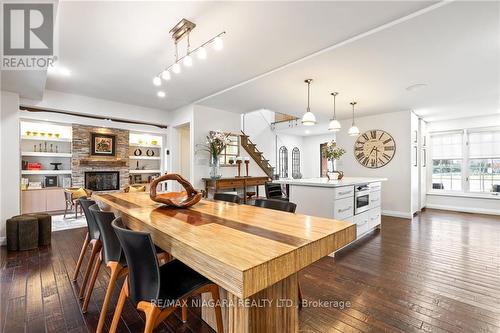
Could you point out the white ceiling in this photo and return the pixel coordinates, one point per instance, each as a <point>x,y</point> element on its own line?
<point>453,49</point>
<point>113,49</point>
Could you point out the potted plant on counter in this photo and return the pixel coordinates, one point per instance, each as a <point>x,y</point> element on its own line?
<point>215,145</point>
<point>332,153</point>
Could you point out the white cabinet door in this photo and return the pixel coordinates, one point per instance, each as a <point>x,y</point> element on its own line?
<point>343,208</point>
<point>343,192</point>
<point>375,198</point>
<point>362,222</point>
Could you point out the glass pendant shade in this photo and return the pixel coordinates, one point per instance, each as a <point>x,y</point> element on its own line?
<point>334,125</point>
<point>308,119</point>
<point>353,130</point>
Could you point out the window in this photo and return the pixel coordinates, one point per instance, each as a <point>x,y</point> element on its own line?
<point>232,150</point>
<point>467,161</point>
<point>296,163</point>
<point>447,161</point>
<point>283,162</point>
<point>484,161</point>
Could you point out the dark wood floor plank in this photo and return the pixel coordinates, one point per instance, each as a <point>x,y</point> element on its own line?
<point>436,273</point>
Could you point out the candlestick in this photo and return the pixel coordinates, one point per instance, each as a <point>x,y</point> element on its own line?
<point>247,162</point>
<point>238,163</point>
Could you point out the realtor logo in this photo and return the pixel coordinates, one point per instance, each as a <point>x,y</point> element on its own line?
<point>28,35</point>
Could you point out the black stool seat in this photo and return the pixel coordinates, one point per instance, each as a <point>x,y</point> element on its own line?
<point>178,281</point>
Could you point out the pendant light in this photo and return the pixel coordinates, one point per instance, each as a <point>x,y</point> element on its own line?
<point>308,119</point>
<point>334,124</point>
<point>354,130</point>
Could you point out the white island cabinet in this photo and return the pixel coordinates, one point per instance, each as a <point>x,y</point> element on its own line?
<point>337,199</point>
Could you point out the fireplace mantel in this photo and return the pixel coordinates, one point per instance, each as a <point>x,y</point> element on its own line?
<point>112,163</point>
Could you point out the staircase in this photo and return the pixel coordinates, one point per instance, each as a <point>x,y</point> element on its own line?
<point>257,155</point>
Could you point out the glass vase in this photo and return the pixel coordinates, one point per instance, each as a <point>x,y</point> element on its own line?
<point>215,170</point>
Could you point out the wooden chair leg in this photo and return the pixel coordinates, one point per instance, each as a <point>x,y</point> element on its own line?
<point>76,210</point>
<point>184,313</point>
<point>95,249</point>
<point>152,313</point>
<point>90,287</point>
<point>80,258</point>
<point>116,271</point>
<point>119,307</point>
<point>214,290</point>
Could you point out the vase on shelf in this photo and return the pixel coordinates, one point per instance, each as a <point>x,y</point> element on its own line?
<point>215,171</point>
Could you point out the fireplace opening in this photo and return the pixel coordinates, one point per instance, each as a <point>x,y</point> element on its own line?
<point>102,180</point>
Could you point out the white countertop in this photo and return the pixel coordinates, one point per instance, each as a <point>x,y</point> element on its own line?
<point>324,182</point>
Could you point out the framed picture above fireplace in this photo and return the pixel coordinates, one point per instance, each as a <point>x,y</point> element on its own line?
<point>103,144</point>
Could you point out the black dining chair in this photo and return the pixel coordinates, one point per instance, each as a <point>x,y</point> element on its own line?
<point>273,191</point>
<point>113,258</point>
<point>284,206</point>
<point>156,290</point>
<point>92,240</point>
<point>227,197</point>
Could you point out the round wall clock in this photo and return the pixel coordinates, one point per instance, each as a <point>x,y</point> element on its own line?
<point>374,148</point>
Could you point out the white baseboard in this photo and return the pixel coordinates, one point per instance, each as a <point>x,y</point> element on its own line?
<point>395,213</point>
<point>3,241</point>
<point>465,209</point>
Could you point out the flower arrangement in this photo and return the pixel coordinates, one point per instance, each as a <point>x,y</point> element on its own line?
<point>215,144</point>
<point>332,152</point>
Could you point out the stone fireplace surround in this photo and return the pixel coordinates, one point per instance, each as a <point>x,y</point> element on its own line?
<point>83,161</point>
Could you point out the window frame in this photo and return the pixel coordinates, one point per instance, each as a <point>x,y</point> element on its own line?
<point>465,171</point>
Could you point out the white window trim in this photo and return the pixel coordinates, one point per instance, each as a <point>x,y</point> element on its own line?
<point>465,192</point>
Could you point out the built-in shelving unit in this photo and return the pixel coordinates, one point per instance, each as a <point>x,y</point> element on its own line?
<point>45,172</point>
<point>145,155</point>
<point>42,154</point>
<point>44,143</point>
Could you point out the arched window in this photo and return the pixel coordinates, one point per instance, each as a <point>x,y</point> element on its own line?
<point>296,163</point>
<point>283,162</point>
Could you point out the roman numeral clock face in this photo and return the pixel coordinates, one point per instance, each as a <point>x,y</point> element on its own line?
<point>374,149</point>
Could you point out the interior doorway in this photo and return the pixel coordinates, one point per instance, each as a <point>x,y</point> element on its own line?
<point>184,151</point>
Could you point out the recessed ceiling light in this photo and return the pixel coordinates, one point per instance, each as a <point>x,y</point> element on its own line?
<point>415,87</point>
<point>58,70</point>
<point>161,94</point>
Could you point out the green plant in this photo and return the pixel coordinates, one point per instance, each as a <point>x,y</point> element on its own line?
<point>332,152</point>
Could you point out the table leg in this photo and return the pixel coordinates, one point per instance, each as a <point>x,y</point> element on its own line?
<point>274,309</point>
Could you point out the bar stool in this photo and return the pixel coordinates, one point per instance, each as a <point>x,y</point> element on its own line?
<point>91,240</point>
<point>153,289</point>
<point>228,197</point>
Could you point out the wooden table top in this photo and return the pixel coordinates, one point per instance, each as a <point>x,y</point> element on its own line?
<point>244,249</point>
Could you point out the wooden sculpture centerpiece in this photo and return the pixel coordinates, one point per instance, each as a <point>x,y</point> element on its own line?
<point>182,199</point>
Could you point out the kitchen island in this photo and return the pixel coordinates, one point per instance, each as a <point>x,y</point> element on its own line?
<point>353,199</point>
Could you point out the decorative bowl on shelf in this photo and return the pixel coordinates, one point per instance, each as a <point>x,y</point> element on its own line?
<point>28,133</point>
<point>49,135</point>
<point>42,133</point>
<point>34,133</point>
<point>57,135</point>
<point>154,142</point>
<point>182,199</point>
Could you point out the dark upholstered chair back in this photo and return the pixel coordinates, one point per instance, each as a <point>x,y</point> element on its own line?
<point>281,205</point>
<point>143,269</point>
<point>112,250</point>
<point>273,191</point>
<point>91,224</point>
<point>227,197</point>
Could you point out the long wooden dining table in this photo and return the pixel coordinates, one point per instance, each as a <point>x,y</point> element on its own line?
<point>252,253</point>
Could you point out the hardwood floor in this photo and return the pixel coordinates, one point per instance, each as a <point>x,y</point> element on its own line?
<point>439,272</point>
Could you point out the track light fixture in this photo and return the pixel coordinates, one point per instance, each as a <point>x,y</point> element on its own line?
<point>178,32</point>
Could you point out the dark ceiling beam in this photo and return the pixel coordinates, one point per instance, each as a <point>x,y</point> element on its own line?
<point>70,113</point>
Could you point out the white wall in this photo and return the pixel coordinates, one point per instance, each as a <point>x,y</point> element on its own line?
<point>396,194</point>
<point>10,160</point>
<point>466,202</point>
<point>311,156</point>
<point>207,119</point>
<point>268,141</point>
